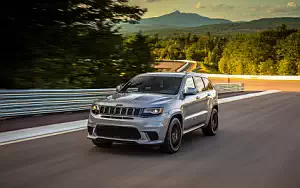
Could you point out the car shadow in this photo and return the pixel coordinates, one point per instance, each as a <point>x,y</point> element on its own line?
<point>190,141</point>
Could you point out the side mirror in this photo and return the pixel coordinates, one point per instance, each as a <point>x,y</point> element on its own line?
<point>191,91</point>
<point>119,87</point>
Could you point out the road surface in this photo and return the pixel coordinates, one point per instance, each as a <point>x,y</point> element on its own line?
<point>257,146</point>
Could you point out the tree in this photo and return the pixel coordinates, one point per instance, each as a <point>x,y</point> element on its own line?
<point>286,68</point>
<point>214,56</point>
<point>268,67</point>
<point>137,57</point>
<point>243,55</point>
<point>289,52</point>
<point>57,40</point>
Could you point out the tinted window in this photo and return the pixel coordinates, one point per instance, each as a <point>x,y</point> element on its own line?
<point>199,84</point>
<point>189,83</point>
<point>207,83</point>
<point>153,84</point>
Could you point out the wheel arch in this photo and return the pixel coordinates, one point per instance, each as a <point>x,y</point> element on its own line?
<point>216,106</point>
<point>179,116</point>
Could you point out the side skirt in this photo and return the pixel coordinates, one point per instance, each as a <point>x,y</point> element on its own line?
<point>193,128</point>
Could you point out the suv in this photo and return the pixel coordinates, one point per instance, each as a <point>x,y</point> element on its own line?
<point>155,109</point>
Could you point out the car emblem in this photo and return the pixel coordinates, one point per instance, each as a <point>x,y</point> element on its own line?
<point>119,105</point>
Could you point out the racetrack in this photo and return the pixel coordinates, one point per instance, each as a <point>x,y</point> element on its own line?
<point>257,146</point>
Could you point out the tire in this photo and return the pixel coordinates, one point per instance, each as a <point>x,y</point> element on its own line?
<point>173,137</point>
<point>213,125</point>
<point>102,144</point>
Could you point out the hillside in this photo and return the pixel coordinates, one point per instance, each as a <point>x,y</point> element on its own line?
<point>173,20</point>
<point>231,28</point>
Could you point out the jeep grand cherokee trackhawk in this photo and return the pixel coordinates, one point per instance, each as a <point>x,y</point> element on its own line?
<point>155,109</point>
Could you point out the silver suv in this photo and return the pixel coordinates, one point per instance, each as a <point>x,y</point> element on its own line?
<point>155,109</point>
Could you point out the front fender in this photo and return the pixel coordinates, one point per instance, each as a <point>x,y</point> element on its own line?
<point>175,112</point>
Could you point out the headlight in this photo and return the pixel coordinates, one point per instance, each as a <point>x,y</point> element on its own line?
<point>95,109</point>
<point>152,111</point>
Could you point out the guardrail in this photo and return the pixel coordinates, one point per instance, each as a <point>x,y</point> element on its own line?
<point>30,102</point>
<point>229,88</point>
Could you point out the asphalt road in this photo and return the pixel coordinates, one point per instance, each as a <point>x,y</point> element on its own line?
<point>258,145</point>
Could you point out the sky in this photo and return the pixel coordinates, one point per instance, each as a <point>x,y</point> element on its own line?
<point>235,10</point>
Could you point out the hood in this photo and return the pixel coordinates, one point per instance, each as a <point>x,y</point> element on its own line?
<point>137,99</point>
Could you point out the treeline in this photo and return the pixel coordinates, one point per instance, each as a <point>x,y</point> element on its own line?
<point>207,49</point>
<point>272,52</point>
<point>70,44</point>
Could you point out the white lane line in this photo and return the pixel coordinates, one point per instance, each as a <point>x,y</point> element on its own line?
<point>41,132</point>
<point>63,128</point>
<point>41,136</point>
<point>247,96</point>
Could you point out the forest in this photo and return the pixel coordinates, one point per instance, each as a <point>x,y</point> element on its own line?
<point>271,52</point>
<point>77,44</point>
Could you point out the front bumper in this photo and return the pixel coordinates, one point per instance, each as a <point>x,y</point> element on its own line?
<point>158,124</point>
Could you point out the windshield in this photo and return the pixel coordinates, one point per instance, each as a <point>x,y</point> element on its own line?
<point>153,84</point>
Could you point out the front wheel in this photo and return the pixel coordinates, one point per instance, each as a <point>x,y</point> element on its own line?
<point>102,144</point>
<point>213,125</point>
<point>173,137</point>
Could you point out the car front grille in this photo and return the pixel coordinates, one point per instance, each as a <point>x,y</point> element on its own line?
<point>121,111</point>
<point>118,132</point>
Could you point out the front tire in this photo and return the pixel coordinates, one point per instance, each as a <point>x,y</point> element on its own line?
<point>173,137</point>
<point>102,144</point>
<point>213,125</point>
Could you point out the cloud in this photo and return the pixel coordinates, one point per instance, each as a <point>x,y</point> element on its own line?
<point>291,5</point>
<point>153,1</point>
<point>260,8</point>
<point>199,5</point>
<point>217,7</point>
<point>289,8</point>
<point>223,7</point>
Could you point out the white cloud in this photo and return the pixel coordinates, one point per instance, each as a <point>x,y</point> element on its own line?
<point>222,7</point>
<point>291,5</point>
<point>198,5</point>
<point>215,7</point>
<point>290,8</point>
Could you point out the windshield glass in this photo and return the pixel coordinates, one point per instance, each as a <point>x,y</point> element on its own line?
<point>153,84</point>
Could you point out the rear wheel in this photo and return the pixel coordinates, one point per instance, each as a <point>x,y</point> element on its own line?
<point>173,137</point>
<point>102,144</point>
<point>213,125</point>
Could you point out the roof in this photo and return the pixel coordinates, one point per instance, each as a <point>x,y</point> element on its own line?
<point>173,74</point>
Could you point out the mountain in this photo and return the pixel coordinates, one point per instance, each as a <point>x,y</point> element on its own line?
<point>173,20</point>
<point>231,28</point>
<point>178,19</point>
